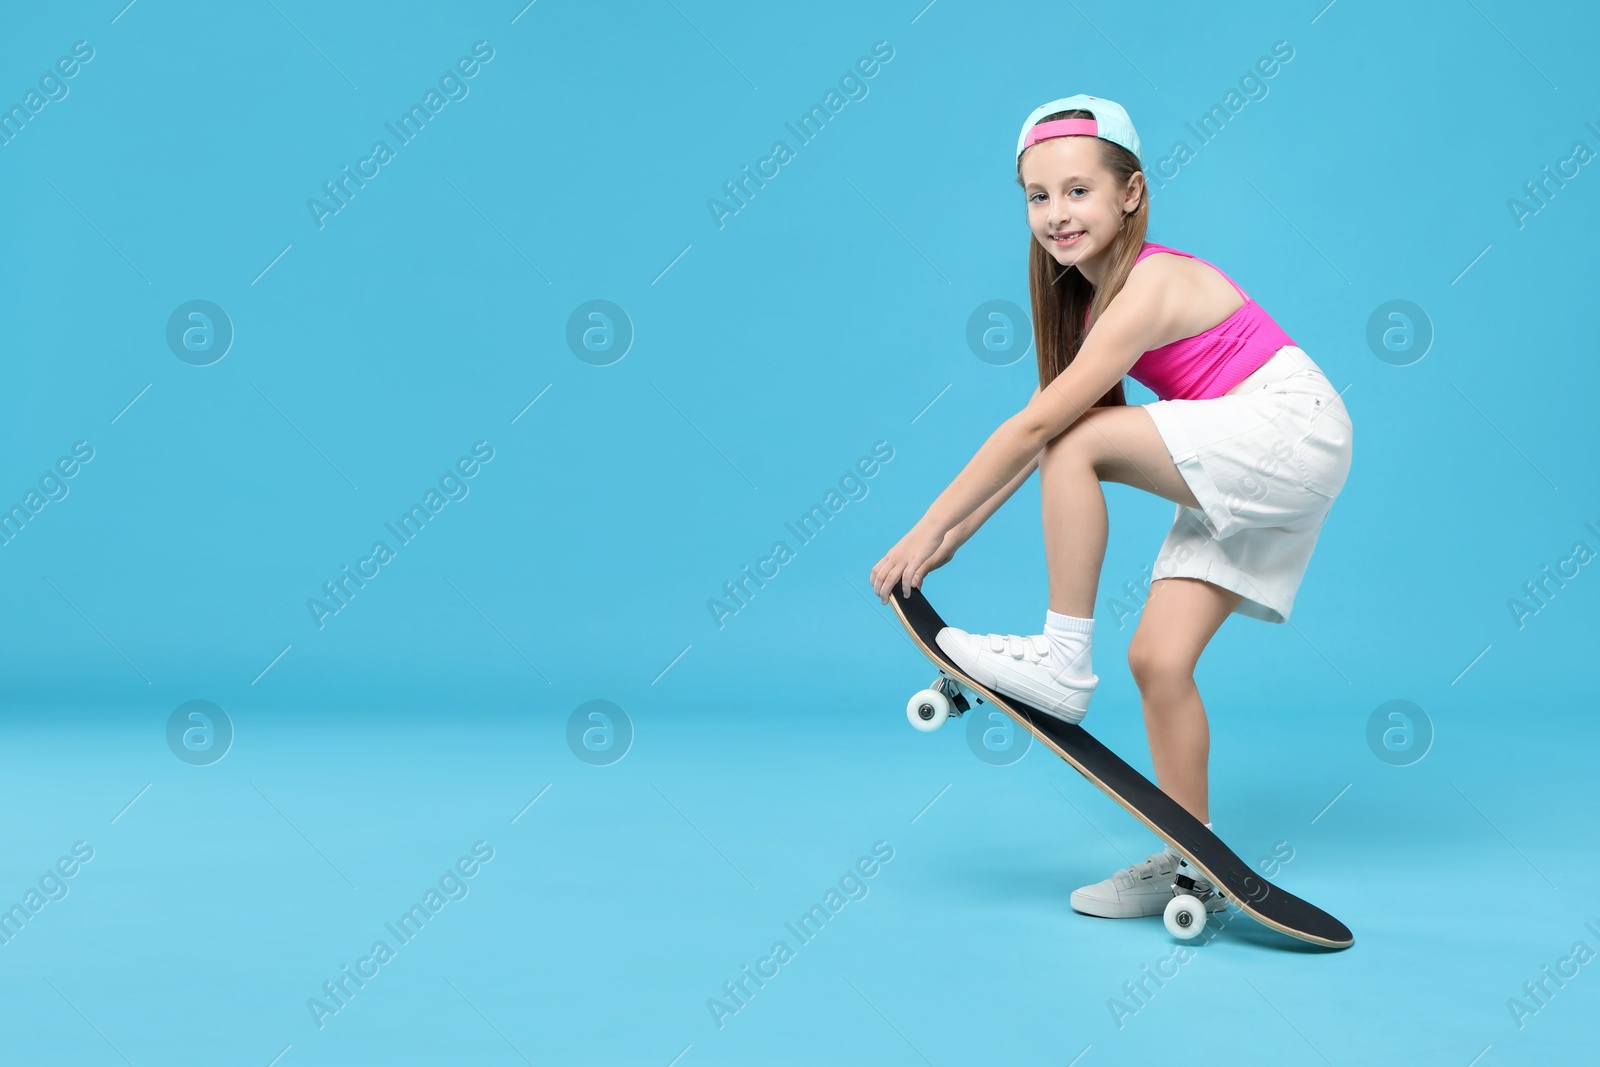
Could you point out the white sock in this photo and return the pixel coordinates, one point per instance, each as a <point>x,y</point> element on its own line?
<point>1069,638</point>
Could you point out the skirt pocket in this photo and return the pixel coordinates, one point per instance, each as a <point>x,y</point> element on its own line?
<point>1323,449</point>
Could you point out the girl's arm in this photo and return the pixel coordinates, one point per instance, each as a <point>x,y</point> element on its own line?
<point>964,530</point>
<point>1146,314</point>
<point>1141,317</point>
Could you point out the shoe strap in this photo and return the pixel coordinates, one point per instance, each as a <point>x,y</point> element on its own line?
<point>1146,869</point>
<point>1033,647</point>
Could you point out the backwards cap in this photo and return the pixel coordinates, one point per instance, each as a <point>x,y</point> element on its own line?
<point>1110,123</point>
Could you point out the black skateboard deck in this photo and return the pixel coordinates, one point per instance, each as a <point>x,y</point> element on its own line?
<point>1249,892</point>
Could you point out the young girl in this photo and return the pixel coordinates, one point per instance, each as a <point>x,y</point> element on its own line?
<point>1248,438</point>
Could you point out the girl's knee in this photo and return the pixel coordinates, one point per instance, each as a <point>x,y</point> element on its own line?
<point>1156,668</point>
<point>1079,443</point>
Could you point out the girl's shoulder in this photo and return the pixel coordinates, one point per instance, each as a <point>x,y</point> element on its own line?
<point>1178,265</point>
<point>1162,265</point>
<point>1151,248</point>
<point>1197,294</point>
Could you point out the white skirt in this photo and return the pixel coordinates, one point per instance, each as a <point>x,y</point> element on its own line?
<point>1265,461</point>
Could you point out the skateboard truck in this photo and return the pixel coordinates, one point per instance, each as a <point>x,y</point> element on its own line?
<point>1185,916</point>
<point>928,708</point>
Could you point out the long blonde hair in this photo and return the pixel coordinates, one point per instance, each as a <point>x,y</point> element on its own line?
<point>1061,297</point>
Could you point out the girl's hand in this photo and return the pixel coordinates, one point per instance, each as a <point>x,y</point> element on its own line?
<point>918,552</point>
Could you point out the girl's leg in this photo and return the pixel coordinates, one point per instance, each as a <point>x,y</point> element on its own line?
<point>1179,618</point>
<point>1114,444</point>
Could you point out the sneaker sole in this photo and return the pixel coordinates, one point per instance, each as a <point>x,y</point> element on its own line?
<point>1124,909</point>
<point>1070,711</point>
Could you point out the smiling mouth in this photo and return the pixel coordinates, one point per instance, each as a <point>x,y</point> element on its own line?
<point>1068,239</point>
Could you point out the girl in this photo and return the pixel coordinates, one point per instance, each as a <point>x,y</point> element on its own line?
<point>1248,438</point>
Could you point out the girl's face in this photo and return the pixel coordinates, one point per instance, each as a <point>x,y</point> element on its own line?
<point>1074,205</point>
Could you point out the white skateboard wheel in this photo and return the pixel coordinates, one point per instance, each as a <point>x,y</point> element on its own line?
<point>927,710</point>
<point>1185,917</point>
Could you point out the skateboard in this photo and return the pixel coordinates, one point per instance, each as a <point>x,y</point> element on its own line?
<point>1185,915</point>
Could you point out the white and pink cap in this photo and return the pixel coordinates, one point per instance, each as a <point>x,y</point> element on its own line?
<point>1110,123</point>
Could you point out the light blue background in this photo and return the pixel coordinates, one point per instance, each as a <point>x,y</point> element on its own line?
<point>769,355</point>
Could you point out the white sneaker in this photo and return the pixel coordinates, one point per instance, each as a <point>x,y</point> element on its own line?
<point>1137,891</point>
<point>1018,666</point>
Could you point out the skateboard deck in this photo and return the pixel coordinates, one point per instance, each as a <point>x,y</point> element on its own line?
<point>1249,892</point>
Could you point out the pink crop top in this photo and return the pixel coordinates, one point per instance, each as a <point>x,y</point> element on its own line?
<point>1209,364</point>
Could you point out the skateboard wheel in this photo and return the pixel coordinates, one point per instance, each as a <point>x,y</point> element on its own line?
<point>927,710</point>
<point>1185,916</point>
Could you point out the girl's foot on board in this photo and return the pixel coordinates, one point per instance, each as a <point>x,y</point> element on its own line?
<point>1137,891</point>
<point>1021,667</point>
